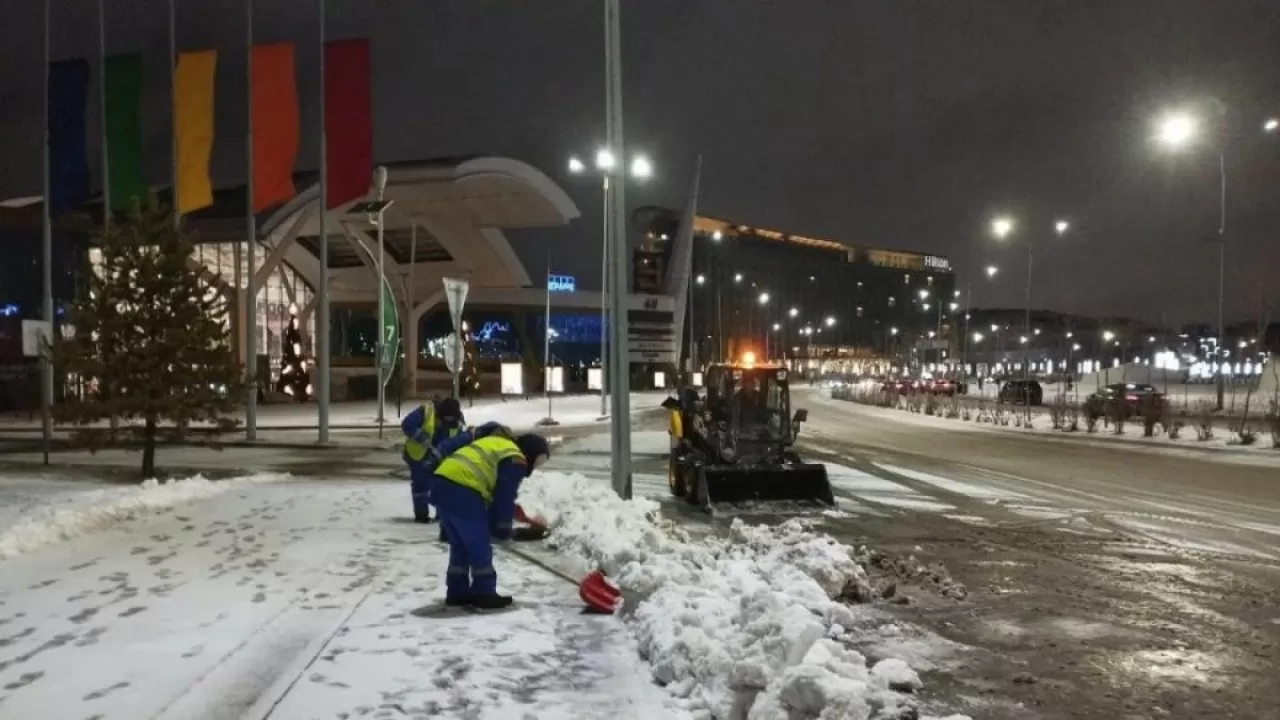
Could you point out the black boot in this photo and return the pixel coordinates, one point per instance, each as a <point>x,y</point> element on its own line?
<point>422,515</point>
<point>457,600</point>
<point>491,602</point>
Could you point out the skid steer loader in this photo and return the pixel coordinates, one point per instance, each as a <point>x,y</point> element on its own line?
<point>734,445</point>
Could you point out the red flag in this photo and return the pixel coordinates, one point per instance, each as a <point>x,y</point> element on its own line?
<point>275,124</point>
<point>348,116</point>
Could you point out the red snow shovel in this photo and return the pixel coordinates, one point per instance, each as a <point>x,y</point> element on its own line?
<point>600,595</point>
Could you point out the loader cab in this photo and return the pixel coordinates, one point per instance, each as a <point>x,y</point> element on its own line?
<point>752,402</point>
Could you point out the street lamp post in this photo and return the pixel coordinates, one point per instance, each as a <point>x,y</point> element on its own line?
<point>1002,227</point>
<point>606,166</point>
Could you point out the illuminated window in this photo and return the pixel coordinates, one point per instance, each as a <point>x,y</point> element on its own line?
<point>929,280</point>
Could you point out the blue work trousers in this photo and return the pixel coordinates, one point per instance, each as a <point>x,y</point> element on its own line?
<point>464,515</point>
<point>420,480</point>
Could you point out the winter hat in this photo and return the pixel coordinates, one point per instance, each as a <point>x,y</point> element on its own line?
<point>449,408</point>
<point>532,446</point>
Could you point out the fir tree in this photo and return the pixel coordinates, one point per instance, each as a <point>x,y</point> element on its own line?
<point>149,344</point>
<point>294,380</point>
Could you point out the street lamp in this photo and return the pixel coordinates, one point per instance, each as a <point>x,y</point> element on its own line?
<point>1271,125</point>
<point>794,312</point>
<point>717,236</point>
<point>1061,227</point>
<point>1177,129</point>
<point>830,321</point>
<point>641,167</point>
<point>992,270</point>
<point>764,298</point>
<point>606,166</point>
<point>737,277</point>
<point>923,293</point>
<point>702,279</point>
<point>1001,227</point>
<point>977,337</point>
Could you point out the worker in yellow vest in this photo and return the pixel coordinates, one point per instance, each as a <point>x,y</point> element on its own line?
<point>474,490</point>
<point>424,429</point>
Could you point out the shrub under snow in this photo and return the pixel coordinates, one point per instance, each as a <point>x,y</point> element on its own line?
<point>97,510</point>
<point>740,627</point>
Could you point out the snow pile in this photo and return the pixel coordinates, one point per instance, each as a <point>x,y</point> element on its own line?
<point>101,509</point>
<point>745,626</point>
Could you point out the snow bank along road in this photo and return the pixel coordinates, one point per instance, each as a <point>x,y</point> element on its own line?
<point>1126,582</point>
<point>271,597</point>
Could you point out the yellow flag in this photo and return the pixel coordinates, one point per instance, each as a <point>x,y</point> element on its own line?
<point>193,123</point>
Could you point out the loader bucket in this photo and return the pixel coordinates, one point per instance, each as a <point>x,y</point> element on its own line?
<point>791,482</point>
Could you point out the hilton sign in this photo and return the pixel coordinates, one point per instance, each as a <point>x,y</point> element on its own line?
<point>937,263</point>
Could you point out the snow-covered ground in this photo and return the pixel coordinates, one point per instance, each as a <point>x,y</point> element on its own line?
<point>297,597</point>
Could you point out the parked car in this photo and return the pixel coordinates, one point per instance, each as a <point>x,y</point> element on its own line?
<point>1021,392</point>
<point>896,385</point>
<point>947,386</point>
<point>1131,395</point>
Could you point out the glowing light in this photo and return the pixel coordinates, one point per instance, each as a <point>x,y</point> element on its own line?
<point>764,298</point>
<point>794,312</point>
<point>702,279</point>
<point>737,277</point>
<point>748,358</point>
<point>977,337</point>
<point>717,236</point>
<point>830,320</point>
<point>1177,129</point>
<point>992,270</point>
<point>576,166</point>
<point>641,167</point>
<point>605,160</point>
<point>1271,125</point>
<point>1061,227</point>
<point>1002,226</point>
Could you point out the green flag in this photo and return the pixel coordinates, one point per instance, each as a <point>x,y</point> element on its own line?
<point>122,79</point>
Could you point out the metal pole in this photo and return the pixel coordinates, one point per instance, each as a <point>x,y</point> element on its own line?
<point>251,241</point>
<point>322,292</point>
<point>618,329</point>
<point>1026,348</point>
<point>380,180</point>
<point>1222,266</point>
<point>46,257</point>
<point>604,305</point>
<point>410,353</point>
<point>546,345</point>
<point>102,109</point>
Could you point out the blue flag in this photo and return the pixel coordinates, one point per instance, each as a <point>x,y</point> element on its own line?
<point>68,151</point>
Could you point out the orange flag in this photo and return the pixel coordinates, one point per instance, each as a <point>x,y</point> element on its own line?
<point>275,124</point>
<point>193,113</point>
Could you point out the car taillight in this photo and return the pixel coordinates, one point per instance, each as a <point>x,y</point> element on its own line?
<point>1131,398</point>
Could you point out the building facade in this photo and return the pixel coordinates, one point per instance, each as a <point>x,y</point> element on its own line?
<point>783,294</point>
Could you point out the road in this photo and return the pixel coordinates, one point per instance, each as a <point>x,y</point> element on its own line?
<point>1111,581</point>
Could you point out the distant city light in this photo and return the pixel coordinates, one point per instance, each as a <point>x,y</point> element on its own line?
<point>992,270</point>
<point>641,167</point>
<point>604,160</point>
<point>1061,227</point>
<point>575,165</point>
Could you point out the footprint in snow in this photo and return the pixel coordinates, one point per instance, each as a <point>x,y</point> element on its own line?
<point>24,680</point>
<point>103,692</point>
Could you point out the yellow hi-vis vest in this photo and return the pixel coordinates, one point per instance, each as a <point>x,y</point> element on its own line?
<point>476,465</point>
<point>416,450</point>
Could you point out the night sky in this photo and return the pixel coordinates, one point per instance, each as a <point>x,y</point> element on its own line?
<point>899,123</point>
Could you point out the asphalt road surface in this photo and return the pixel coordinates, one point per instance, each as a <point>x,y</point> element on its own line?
<point>1105,581</point>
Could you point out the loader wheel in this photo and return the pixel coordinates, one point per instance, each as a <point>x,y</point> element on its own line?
<point>675,476</point>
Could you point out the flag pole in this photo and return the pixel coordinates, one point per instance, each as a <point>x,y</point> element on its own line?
<point>173,110</point>
<point>102,111</point>
<point>251,242</point>
<point>46,270</point>
<point>322,292</point>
